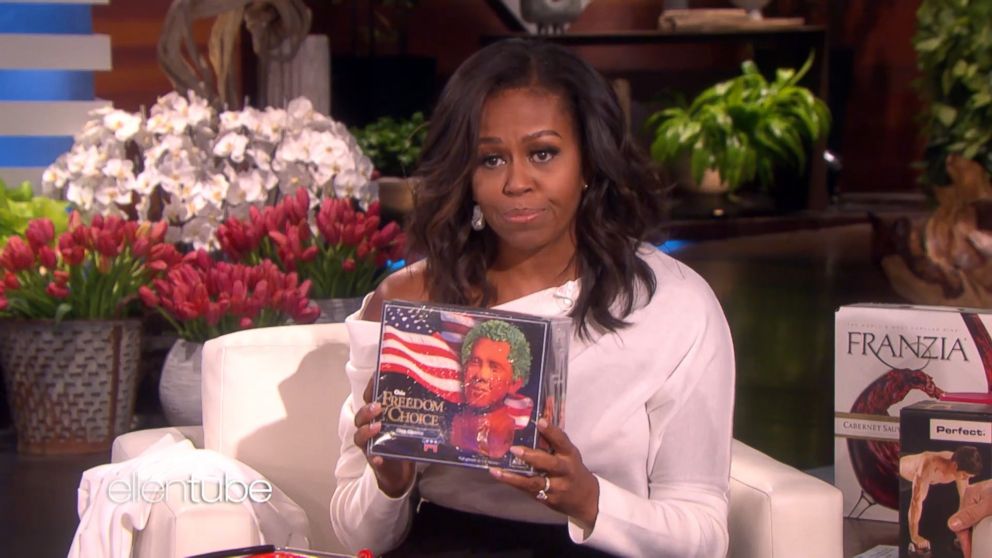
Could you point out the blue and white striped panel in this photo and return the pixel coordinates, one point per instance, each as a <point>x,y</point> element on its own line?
<point>48,53</point>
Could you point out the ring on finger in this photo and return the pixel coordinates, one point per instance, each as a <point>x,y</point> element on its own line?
<point>542,494</point>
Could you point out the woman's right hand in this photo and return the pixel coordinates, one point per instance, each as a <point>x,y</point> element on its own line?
<point>395,476</point>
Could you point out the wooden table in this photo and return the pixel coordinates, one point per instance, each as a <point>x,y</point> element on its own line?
<point>863,534</point>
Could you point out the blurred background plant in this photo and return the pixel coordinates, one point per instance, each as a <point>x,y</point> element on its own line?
<point>193,167</point>
<point>19,205</point>
<point>743,128</point>
<point>393,144</point>
<point>953,41</point>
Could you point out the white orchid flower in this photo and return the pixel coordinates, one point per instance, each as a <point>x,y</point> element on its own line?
<point>198,111</point>
<point>199,232</point>
<point>124,125</point>
<point>231,120</point>
<point>251,187</point>
<point>119,169</point>
<point>261,158</point>
<point>299,111</point>
<point>214,190</point>
<point>80,197</point>
<point>144,184</point>
<point>159,124</point>
<point>231,145</point>
<point>55,176</point>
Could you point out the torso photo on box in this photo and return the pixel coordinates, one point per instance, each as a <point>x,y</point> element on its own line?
<point>945,477</point>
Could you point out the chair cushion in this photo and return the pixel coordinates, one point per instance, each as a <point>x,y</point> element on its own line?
<point>250,379</point>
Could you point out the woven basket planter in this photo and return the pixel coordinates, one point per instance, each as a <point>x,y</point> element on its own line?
<point>71,386</point>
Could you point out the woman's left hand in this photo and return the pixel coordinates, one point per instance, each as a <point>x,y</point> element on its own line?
<point>572,489</point>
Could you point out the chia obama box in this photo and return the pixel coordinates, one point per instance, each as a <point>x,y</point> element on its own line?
<point>943,443</point>
<point>460,385</point>
<point>887,357</point>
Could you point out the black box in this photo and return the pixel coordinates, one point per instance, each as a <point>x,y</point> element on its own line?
<point>946,454</point>
<point>515,367</point>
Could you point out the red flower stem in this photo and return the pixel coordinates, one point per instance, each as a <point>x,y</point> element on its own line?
<point>180,328</point>
<point>32,292</point>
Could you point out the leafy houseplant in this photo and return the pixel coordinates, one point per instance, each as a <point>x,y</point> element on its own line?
<point>19,205</point>
<point>744,127</point>
<point>342,251</point>
<point>953,40</point>
<point>70,360</point>
<point>393,145</point>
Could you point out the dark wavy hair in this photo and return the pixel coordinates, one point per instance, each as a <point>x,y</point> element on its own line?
<point>622,207</point>
<point>968,459</point>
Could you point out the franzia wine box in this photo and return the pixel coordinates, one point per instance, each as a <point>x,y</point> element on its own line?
<point>945,467</point>
<point>887,357</point>
<point>461,385</point>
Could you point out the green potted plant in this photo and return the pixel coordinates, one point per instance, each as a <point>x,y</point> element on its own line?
<point>743,128</point>
<point>953,40</point>
<point>68,348</point>
<point>394,146</point>
<point>943,257</point>
<point>19,205</point>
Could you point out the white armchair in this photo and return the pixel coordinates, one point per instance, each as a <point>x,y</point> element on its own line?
<point>271,399</point>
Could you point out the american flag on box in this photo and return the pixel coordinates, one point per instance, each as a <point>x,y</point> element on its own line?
<point>426,346</point>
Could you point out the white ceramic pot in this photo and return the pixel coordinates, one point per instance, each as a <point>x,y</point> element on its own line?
<point>753,7</point>
<point>335,310</point>
<point>179,387</point>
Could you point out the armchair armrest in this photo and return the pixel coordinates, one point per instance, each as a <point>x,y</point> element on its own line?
<point>133,444</point>
<point>184,521</point>
<point>981,539</point>
<point>777,511</point>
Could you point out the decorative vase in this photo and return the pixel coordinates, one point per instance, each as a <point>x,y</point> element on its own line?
<point>71,385</point>
<point>179,386</point>
<point>753,7</point>
<point>395,194</point>
<point>550,15</point>
<point>335,310</point>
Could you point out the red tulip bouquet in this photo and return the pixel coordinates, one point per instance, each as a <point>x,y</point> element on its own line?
<point>203,298</point>
<point>342,251</point>
<point>93,272</point>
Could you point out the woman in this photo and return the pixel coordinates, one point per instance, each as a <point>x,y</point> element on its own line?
<point>534,199</point>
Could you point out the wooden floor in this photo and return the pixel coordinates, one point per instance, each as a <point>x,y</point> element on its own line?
<point>779,292</point>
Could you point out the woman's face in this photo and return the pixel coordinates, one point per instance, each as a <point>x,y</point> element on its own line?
<point>528,174</point>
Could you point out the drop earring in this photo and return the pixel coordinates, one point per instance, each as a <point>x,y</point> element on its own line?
<point>478,221</point>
